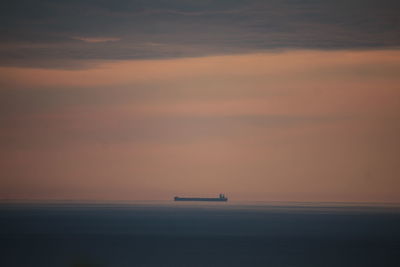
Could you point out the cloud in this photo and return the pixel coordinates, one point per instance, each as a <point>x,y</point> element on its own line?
<point>39,34</point>
<point>96,39</point>
<point>268,90</point>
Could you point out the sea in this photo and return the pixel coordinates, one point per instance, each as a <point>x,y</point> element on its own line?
<point>168,233</point>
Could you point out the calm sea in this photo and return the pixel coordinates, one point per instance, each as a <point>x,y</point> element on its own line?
<point>199,234</point>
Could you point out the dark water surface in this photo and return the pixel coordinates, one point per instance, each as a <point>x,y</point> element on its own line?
<point>199,234</point>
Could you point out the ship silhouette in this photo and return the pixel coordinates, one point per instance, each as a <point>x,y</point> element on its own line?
<point>220,198</point>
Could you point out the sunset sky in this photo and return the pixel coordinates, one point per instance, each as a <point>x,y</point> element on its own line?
<point>284,100</point>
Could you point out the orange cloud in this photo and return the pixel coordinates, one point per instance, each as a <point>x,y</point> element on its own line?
<point>266,69</point>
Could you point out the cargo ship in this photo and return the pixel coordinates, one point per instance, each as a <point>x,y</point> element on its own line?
<point>220,198</point>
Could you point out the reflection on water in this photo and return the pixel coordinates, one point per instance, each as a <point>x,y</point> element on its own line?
<point>167,233</point>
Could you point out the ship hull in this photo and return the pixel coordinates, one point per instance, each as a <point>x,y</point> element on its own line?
<point>200,199</point>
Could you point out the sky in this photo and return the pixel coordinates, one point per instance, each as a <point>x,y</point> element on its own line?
<point>293,100</point>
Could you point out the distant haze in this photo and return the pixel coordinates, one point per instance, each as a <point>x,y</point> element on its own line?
<point>200,99</point>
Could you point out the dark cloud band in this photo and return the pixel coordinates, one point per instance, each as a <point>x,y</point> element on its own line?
<point>54,33</point>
